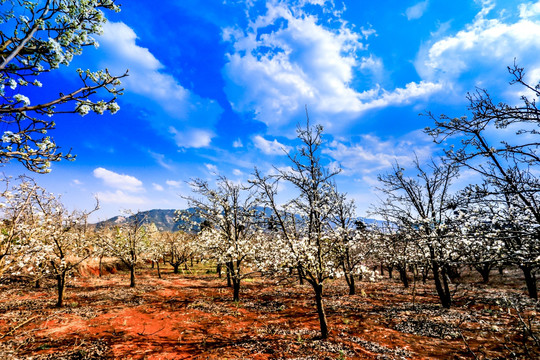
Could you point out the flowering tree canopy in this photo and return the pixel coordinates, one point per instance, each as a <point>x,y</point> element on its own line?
<point>509,168</point>
<point>302,226</point>
<point>422,207</point>
<point>230,234</point>
<point>37,37</point>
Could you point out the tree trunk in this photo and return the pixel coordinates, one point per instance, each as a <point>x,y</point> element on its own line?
<point>61,286</point>
<point>484,270</point>
<point>158,270</point>
<point>403,276</point>
<point>300,275</point>
<point>100,266</point>
<point>218,270</point>
<point>320,310</point>
<point>350,282</point>
<point>530,280</point>
<point>442,288</point>
<point>229,266</point>
<point>132,276</point>
<point>390,272</point>
<point>425,273</point>
<point>153,264</point>
<point>37,284</point>
<point>175,268</point>
<point>236,289</point>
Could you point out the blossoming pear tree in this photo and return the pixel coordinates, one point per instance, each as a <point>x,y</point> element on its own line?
<point>40,236</point>
<point>128,242</point>
<point>509,167</point>
<point>302,238</point>
<point>353,239</point>
<point>423,207</point>
<point>37,37</point>
<point>232,234</point>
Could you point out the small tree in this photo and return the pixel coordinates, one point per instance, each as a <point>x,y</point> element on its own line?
<point>301,238</point>
<point>40,236</point>
<point>422,207</point>
<point>352,238</point>
<point>127,242</point>
<point>64,238</point>
<point>16,228</point>
<point>37,37</point>
<point>231,233</point>
<point>179,247</point>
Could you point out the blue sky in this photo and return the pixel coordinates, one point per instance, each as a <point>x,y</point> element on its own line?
<point>219,87</point>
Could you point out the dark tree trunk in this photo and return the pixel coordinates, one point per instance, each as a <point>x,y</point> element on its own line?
<point>152,264</point>
<point>236,289</point>
<point>229,266</point>
<point>425,273</point>
<point>382,270</point>
<point>403,276</point>
<point>530,280</point>
<point>175,267</point>
<point>37,284</point>
<point>442,287</point>
<point>390,272</point>
<point>320,309</point>
<point>350,280</point>
<point>61,286</point>
<point>484,270</point>
<point>158,270</point>
<point>132,276</point>
<point>452,272</point>
<point>218,270</point>
<point>300,275</point>
<point>352,287</point>
<point>100,266</point>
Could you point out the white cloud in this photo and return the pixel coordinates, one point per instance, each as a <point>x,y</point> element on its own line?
<point>302,62</point>
<point>212,168</point>
<point>161,160</point>
<point>270,147</point>
<point>120,197</point>
<point>77,182</point>
<point>237,172</point>
<point>484,48</point>
<point>157,187</point>
<point>192,138</point>
<point>530,10</point>
<point>119,181</point>
<point>148,77</point>
<point>416,11</point>
<point>238,143</point>
<point>372,154</point>
<point>173,183</point>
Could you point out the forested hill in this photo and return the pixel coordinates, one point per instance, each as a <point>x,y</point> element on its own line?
<point>165,219</point>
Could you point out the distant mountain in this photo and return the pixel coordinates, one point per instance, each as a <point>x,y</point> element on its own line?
<point>165,219</point>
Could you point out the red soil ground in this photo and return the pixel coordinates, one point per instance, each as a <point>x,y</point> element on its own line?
<point>186,316</point>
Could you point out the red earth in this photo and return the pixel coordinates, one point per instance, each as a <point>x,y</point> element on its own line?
<point>192,316</point>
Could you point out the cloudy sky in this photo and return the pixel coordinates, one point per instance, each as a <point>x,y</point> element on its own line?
<point>219,86</point>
